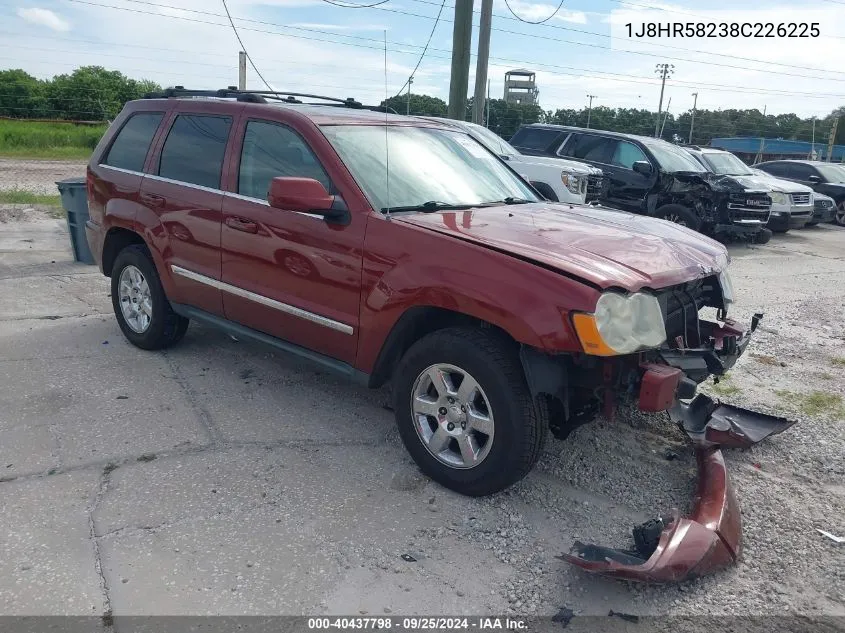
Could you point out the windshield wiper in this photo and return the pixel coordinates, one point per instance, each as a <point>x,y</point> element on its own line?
<point>428,207</point>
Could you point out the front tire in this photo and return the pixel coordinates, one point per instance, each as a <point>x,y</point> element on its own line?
<point>763,236</point>
<point>465,413</point>
<point>143,312</point>
<point>679,215</point>
<point>839,218</point>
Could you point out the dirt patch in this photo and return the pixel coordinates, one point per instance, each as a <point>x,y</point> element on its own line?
<point>28,213</point>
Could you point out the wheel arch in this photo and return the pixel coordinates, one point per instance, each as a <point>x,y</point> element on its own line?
<point>118,238</point>
<point>415,323</point>
<point>545,190</point>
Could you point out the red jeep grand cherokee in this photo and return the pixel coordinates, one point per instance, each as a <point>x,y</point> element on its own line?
<point>393,248</point>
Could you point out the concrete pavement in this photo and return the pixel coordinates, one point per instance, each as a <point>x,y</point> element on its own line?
<point>222,478</point>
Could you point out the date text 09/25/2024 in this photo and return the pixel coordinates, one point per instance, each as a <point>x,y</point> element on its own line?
<point>723,29</point>
<point>419,623</point>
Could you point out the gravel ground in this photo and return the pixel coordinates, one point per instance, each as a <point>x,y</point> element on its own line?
<point>242,482</point>
<point>37,176</point>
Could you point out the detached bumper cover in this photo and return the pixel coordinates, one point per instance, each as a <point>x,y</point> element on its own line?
<point>678,548</point>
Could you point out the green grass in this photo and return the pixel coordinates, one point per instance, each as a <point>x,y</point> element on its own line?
<point>19,196</point>
<point>838,361</point>
<point>724,387</point>
<point>815,403</point>
<point>34,139</point>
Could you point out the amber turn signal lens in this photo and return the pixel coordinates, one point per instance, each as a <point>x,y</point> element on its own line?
<point>588,334</point>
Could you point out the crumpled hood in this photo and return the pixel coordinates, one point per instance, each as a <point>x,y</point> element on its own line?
<point>603,247</point>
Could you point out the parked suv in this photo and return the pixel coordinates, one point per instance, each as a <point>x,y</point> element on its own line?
<point>653,177</point>
<point>495,316</point>
<point>557,179</point>
<point>792,203</point>
<point>826,178</point>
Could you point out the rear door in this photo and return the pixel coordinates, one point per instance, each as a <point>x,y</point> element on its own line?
<point>289,274</point>
<point>184,191</point>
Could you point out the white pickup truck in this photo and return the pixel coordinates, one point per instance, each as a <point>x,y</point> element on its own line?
<point>557,179</point>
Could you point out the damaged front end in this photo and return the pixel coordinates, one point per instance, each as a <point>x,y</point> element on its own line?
<point>674,547</point>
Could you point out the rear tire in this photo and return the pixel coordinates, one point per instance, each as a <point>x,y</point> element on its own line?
<point>143,312</point>
<point>514,428</point>
<point>679,215</point>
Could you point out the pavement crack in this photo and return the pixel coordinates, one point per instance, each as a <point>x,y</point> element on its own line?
<point>204,417</point>
<point>102,487</point>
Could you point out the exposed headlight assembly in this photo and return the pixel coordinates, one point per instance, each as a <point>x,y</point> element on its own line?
<point>572,182</point>
<point>621,324</point>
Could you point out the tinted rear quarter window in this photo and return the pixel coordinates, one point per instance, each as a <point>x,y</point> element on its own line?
<point>800,171</point>
<point>535,138</point>
<point>194,149</point>
<point>130,146</point>
<point>775,169</point>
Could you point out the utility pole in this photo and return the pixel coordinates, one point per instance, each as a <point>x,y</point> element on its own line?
<point>461,41</point>
<point>692,122</point>
<point>481,61</point>
<point>664,70</point>
<point>590,109</point>
<point>665,116</point>
<point>487,123</point>
<point>241,70</point>
<point>832,138</point>
<point>408,104</point>
<point>813,142</point>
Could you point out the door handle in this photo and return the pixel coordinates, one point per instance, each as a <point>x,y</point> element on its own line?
<point>153,200</point>
<point>241,224</point>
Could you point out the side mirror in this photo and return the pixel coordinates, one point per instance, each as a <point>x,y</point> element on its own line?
<point>305,195</point>
<point>642,167</point>
<point>814,179</point>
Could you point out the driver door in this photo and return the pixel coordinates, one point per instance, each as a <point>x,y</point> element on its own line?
<point>291,275</point>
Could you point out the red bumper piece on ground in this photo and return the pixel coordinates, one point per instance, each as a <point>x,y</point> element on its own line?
<point>658,387</point>
<point>678,548</point>
<point>709,539</point>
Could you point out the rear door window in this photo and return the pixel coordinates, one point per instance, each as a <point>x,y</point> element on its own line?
<point>194,149</point>
<point>272,150</point>
<point>590,147</point>
<point>130,146</point>
<point>775,169</point>
<point>626,154</point>
<point>800,171</point>
<point>536,138</point>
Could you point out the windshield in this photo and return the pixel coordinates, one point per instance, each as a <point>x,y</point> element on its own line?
<point>726,164</point>
<point>672,159</point>
<point>426,165</point>
<point>832,173</point>
<point>492,140</point>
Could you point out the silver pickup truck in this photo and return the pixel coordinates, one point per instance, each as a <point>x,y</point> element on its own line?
<point>558,179</point>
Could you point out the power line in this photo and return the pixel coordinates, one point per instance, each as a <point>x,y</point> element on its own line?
<point>354,6</point>
<point>521,19</point>
<point>661,45</point>
<point>243,48</point>
<point>425,50</point>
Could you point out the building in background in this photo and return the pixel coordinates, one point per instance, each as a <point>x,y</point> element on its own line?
<point>521,87</point>
<point>753,149</point>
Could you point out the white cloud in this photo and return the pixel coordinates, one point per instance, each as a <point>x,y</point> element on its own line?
<point>44,17</point>
<point>534,12</point>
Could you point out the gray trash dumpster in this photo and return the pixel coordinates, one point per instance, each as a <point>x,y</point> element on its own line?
<point>75,203</point>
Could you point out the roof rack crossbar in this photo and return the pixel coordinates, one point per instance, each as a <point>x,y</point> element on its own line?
<point>254,96</point>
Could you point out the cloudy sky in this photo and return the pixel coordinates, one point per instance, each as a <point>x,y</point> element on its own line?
<point>314,46</point>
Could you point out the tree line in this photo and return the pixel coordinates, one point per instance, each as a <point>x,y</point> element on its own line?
<point>505,119</point>
<point>93,93</point>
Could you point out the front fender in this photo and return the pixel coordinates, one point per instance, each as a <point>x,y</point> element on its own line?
<point>406,266</point>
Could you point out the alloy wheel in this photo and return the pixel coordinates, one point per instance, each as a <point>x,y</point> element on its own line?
<point>840,213</point>
<point>135,301</point>
<point>452,416</point>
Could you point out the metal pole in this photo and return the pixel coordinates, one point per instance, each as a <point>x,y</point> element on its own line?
<point>408,105</point>
<point>813,145</point>
<point>241,70</point>
<point>487,123</point>
<point>590,109</point>
<point>481,61</point>
<point>663,69</point>
<point>692,122</point>
<point>461,41</point>
<point>666,116</point>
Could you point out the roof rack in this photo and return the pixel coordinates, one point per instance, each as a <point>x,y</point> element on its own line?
<point>261,96</point>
